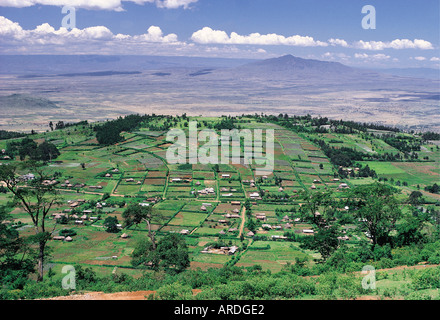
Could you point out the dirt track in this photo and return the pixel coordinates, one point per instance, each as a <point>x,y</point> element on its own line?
<point>137,295</point>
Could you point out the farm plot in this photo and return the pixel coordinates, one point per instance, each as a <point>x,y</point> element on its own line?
<point>93,247</point>
<point>205,261</point>
<point>178,191</point>
<point>156,174</point>
<point>272,255</point>
<point>139,144</point>
<point>223,208</point>
<point>188,219</point>
<point>202,175</point>
<point>198,206</point>
<point>151,162</point>
<point>414,173</point>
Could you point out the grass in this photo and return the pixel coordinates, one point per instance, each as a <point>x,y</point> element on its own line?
<point>274,258</point>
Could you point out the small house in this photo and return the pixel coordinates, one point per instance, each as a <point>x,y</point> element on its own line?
<point>254,195</point>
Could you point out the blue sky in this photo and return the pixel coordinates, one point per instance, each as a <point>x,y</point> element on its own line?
<point>406,35</point>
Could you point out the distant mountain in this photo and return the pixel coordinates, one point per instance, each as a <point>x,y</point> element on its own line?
<point>294,68</point>
<point>43,65</point>
<point>290,63</point>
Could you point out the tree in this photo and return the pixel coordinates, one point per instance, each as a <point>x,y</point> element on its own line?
<point>47,151</point>
<point>27,147</point>
<point>135,214</point>
<point>111,224</point>
<point>251,225</point>
<point>433,189</point>
<point>172,252</point>
<point>376,210</point>
<point>415,198</point>
<point>144,254</point>
<point>325,241</point>
<point>36,199</point>
<point>316,202</point>
<point>16,262</point>
<point>409,231</point>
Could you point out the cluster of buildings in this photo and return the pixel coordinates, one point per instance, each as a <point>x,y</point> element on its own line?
<point>222,250</point>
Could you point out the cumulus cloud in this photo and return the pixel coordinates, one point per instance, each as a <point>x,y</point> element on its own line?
<point>10,29</point>
<point>210,36</point>
<point>395,44</point>
<point>338,42</point>
<point>155,34</point>
<point>420,58</point>
<point>115,5</point>
<point>436,59</point>
<point>46,38</point>
<point>335,56</point>
<point>375,57</point>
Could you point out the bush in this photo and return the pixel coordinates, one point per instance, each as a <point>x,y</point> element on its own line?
<point>174,291</point>
<point>45,289</point>
<point>333,286</point>
<point>428,278</point>
<point>417,296</point>
<point>67,233</point>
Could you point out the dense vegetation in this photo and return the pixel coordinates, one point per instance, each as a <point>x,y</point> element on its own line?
<point>27,147</point>
<point>4,135</point>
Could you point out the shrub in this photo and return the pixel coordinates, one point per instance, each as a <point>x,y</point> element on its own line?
<point>67,232</point>
<point>426,278</point>
<point>174,291</point>
<point>417,296</point>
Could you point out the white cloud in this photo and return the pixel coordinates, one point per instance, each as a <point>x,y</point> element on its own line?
<point>10,29</point>
<point>395,44</point>
<point>173,4</point>
<point>45,39</point>
<point>115,5</point>
<point>338,42</point>
<point>335,56</point>
<point>155,34</point>
<point>434,59</point>
<point>420,58</point>
<point>210,36</point>
<point>13,36</point>
<point>372,57</point>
